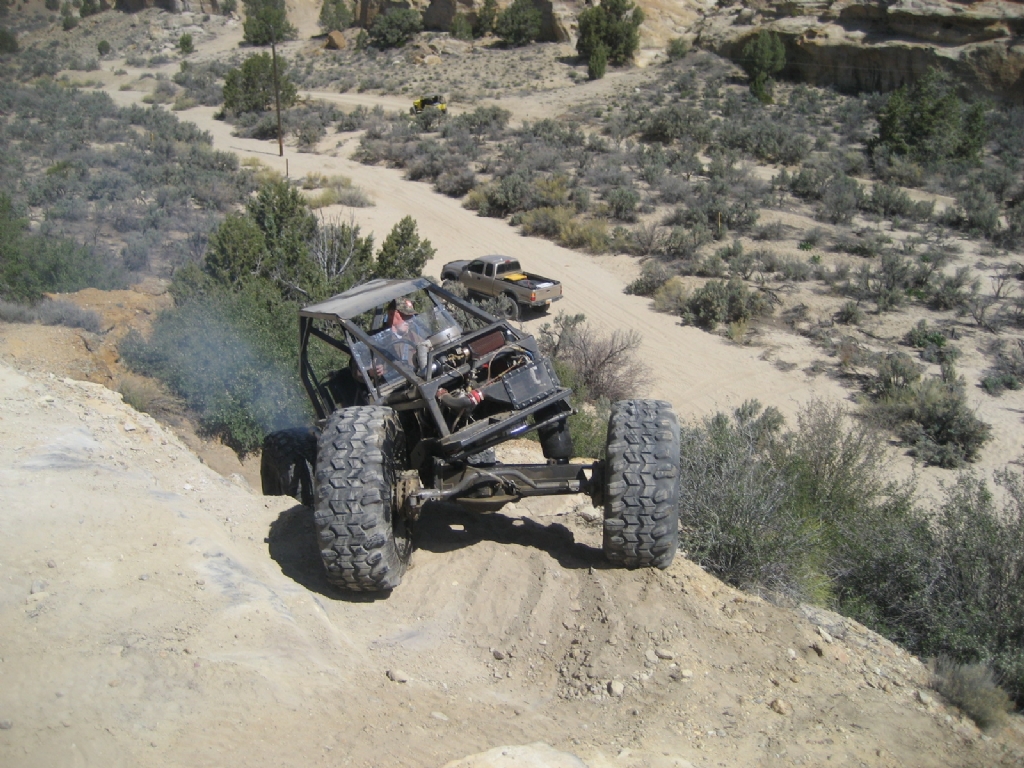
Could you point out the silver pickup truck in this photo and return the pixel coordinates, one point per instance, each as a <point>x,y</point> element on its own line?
<point>497,276</point>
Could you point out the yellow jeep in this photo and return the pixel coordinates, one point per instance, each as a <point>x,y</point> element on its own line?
<point>429,102</point>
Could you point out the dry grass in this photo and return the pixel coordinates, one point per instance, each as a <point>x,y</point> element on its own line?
<point>973,688</point>
<point>148,396</point>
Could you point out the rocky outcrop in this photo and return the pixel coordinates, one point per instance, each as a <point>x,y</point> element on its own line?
<point>865,45</point>
<point>171,6</point>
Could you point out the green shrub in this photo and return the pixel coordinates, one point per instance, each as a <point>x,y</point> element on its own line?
<point>8,41</point>
<point>808,513</point>
<point>69,22</point>
<point>403,254</point>
<point>929,123</point>
<point>614,25</point>
<point>723,302</point>
<point>977,211</point>
<point>973,608</point>
<point>103,47</point>
<point>897,373</point>
<point>740,511</point>
<point>597,64</point>
<point>335,15</point>
<point>998,383</point>
<point>677,48</point>
<point>460,28</point>
<point>519,24</point>
<point>850,314</point>
<point>250,88</point>
<point>395,28</point>
<point>546,222</point>
<point>764,56</point>
<point>266,21</point>
<point>931,415</point>
<point>185,44</point>
<point>940,427</point>
<point>840,198</point>
<point>623,203</point>
<point>920,336</point>
<point>653,275</point>
<point>34,264</point>
<point>485,18</point>
<point>590,235</point>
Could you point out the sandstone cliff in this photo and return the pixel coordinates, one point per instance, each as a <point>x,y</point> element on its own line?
<point>860,45</point>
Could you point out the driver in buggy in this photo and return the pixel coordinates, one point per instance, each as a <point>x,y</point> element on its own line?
<point>405,336</point>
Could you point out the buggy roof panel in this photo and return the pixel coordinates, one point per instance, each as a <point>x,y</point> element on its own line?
<point>363,298</point>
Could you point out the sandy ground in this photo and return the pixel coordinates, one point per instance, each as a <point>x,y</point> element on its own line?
<point>155,612</point>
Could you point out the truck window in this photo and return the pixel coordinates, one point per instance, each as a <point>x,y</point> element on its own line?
<point>490,270</point>
<point>509,266</point>
<point>476,266</point>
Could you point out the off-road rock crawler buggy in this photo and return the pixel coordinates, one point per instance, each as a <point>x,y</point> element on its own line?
<point>410,416</point>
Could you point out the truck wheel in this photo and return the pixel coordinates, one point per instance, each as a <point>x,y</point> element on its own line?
<point>508,307</point>
<point>364,541</point>
<point>641,484</point>
<point>286,466</point>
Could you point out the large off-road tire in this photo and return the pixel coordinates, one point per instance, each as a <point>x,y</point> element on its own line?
<point>364,541</point>
<point>641,484</point>
<point>286,466</point>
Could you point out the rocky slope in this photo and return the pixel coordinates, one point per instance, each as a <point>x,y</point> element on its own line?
<point>156,613</point>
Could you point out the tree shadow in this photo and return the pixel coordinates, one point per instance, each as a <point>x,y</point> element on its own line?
<point>443,527</point>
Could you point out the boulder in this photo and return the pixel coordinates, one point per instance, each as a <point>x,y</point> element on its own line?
<point>335,41</point>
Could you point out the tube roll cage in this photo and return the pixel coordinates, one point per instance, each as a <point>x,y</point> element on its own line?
<point>399,395</point>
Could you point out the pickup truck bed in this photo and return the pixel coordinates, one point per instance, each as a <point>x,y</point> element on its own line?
<point>496,276</point>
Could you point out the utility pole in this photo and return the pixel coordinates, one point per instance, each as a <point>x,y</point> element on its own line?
<point>277,91</point>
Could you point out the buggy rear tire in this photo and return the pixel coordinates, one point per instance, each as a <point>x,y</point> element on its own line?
<point>286,466</point>
<point>364,541</point>
<point>641,484</point>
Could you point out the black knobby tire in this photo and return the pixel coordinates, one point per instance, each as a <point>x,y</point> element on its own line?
<point>286,466</point>
<point>641,484</point>
<point>363,539</point>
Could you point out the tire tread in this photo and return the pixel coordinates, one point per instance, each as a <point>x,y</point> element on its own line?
<point>641,508</point>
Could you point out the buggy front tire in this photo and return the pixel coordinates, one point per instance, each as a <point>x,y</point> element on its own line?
<point>286,465</point>
<point>364,541</point>
<point>641,484</point>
